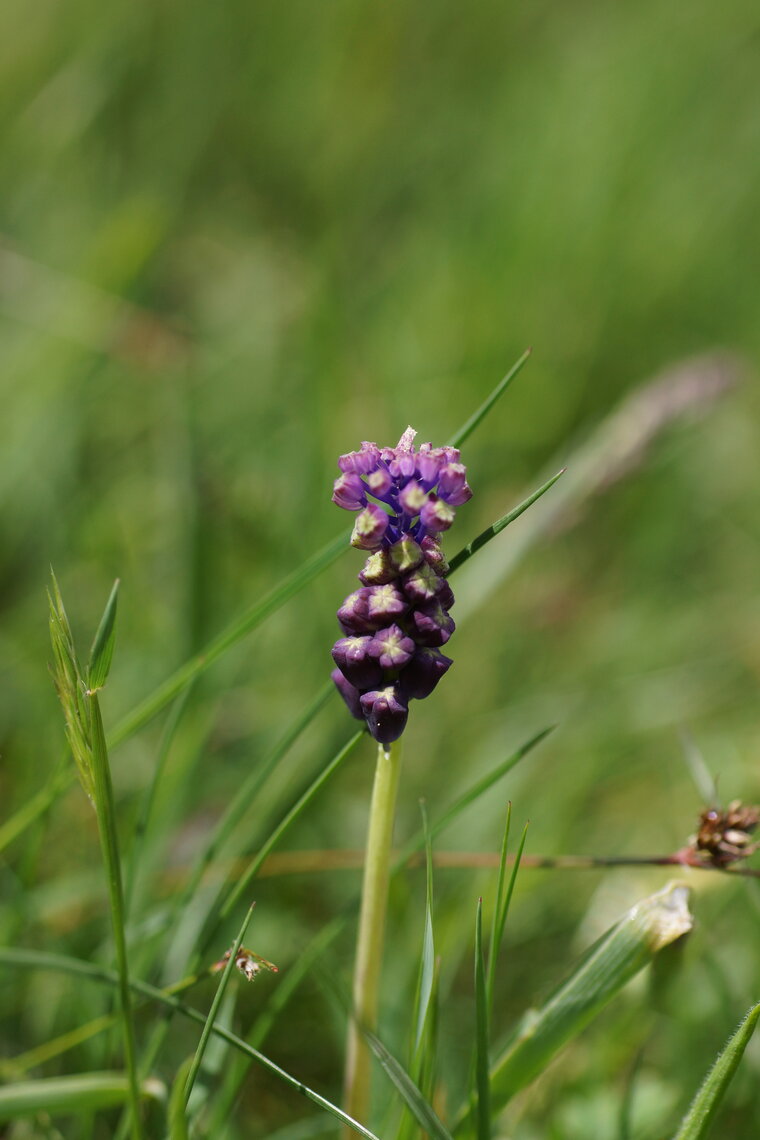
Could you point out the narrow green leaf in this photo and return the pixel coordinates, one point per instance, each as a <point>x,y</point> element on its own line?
<point>244,624</point>
<point>482,1078</point>
<point>101,653</point>
<point>35,807</point>
<point>87,1092</point>
<point>494,942</point>
<point>226,975</point>
<point>698,1120</point>
<point>38,959</point>
<point>458,438</point>
<point>427,963</point>
<point>624,950</point>
<point>473,793</point>
<point>502,908</point>
<point>421,1109</point>
<point>287,820</point>
<point>109,842</point>
<point>178,1125</point>
<point>496,528</point>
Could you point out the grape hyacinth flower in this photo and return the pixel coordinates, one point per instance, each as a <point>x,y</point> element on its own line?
<point>397,621</point>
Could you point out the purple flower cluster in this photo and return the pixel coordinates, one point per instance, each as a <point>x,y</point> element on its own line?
<point>397,621</point>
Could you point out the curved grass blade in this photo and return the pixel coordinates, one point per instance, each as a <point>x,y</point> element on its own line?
<point>223,981</point>
<point>38,959</point>
<point>420,1108</point>
<point>248,791</point>
<point>458,438</point>
<point>86,1092</point>
<point>482,1077</point>
<point>503,899</point>
<point>84,727</point>
<point>490,532</point>
<point>624,950</point>
<point>427,962</point>
<point>698,1120</point>
<point>290,817</point>
<point>101,653</point>
<point>178,1125</point>
<point>235,631</point>
<point>37,805</point>
<point>473,793</point>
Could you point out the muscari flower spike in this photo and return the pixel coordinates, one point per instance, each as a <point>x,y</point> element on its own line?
<point>398,619</point>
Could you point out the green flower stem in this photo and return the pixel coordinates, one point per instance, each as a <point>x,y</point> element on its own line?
<point>369,946</point>
<point>104,806</point>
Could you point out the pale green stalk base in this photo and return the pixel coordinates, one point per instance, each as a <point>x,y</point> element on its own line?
<point>369,945</point>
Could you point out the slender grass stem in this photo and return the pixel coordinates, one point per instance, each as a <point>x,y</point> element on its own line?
<point>104,806</point>
<point>369,946</point>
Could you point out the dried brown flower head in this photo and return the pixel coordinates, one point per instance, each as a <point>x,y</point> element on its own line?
<point>724,837</point>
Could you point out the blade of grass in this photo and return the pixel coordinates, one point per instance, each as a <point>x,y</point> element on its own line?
<point>223,981</point>
<point>502,906</point>
<point>491,531</point>
<point>482,1077</point>
<point>261,1027</point>
<point>247,793</point>
<point>289,818</point>
<point>146,809</point>
<point>234,632</point>
<point>101,653</point>
<point>38,959</point>
<point>427,962</point>
<point>625,949</point>
<point>85,1092</point>
<point>473,793</point>
<point>178,1125</point>
<point>466,430</point>
<point>86,736</point>
<point>420,1108</point>
<point>106,815</point>
<point>37,805</point>
<point>698,1120</point>
<point>500,888</point>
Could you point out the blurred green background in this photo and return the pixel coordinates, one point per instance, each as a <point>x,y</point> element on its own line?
<point>236,240</point>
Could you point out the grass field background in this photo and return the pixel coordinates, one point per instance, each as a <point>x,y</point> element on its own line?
<point>236,240</point>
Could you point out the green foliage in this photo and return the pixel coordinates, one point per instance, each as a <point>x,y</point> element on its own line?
<point>236,240</point>
<point>698,1120</point>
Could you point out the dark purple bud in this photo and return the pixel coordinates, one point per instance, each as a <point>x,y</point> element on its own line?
<point>386,712</point>
<point>348,492</point>
<point>353,615</point>
<point>369,528</point>
<point>423,673</point>
<point>353,657</point>
<point>350,694</point>
<point>378,570</point>
<point>392,648</point>
<point>433,626</point>
<point>379,482</point>
<point>405,554</point>
<point>434,556</point>
<point>446,596</point>
<point>452,484</point>
<point>436,515</point>
<point>385,603</point>
<point>422,584</point>
<point>412,498</point>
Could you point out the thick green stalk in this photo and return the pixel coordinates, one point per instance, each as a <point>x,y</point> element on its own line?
<point>369,946</point>
<point>104,806</point>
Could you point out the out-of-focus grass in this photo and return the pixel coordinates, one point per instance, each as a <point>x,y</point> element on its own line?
<point>235,241</point>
